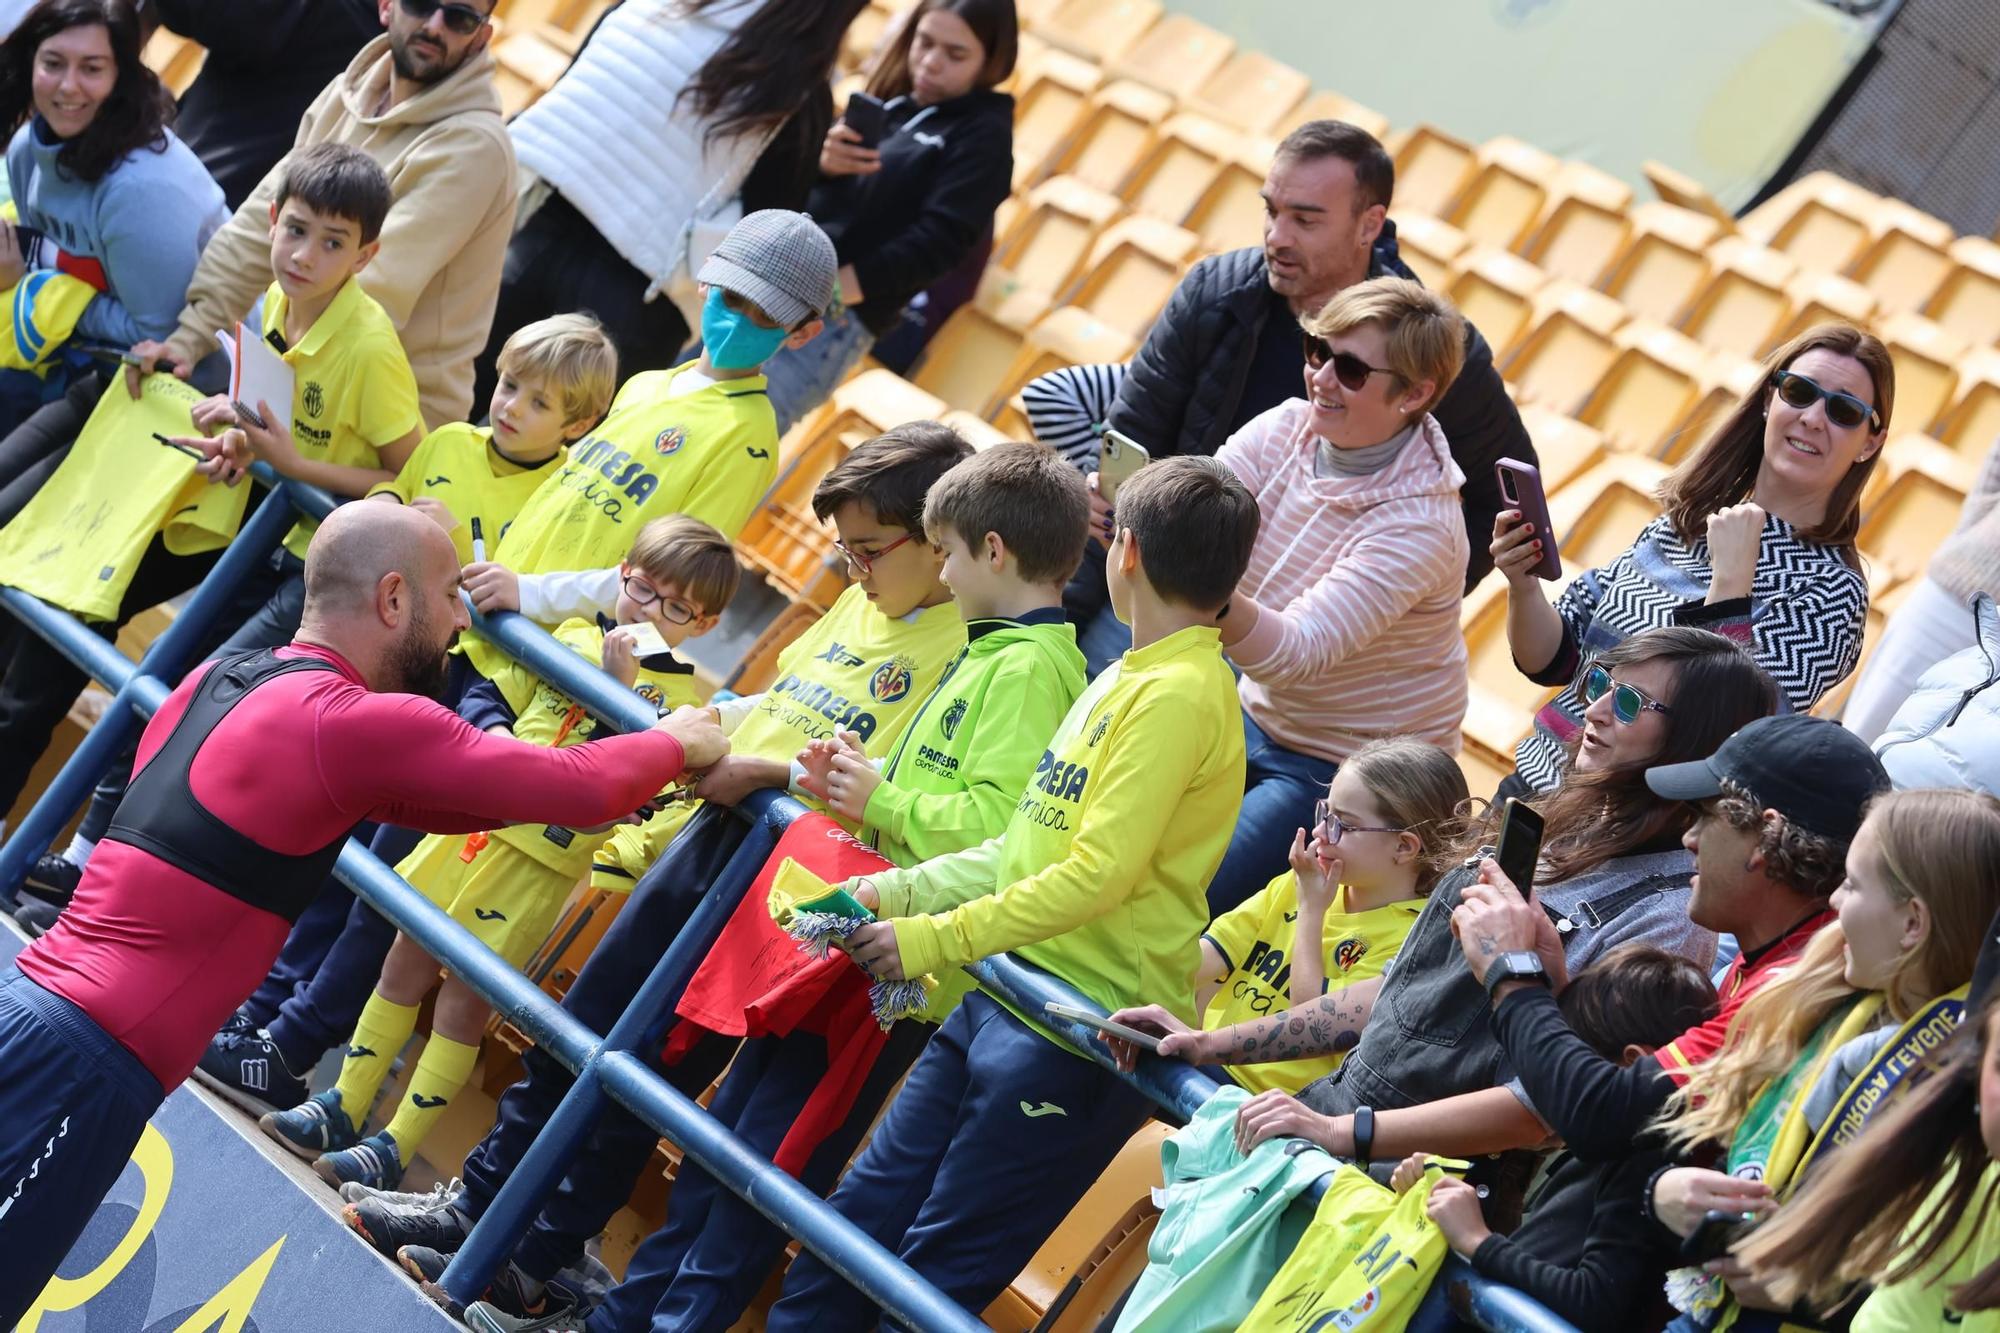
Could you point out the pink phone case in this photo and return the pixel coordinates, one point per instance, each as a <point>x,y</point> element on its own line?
<point>1521,488</point>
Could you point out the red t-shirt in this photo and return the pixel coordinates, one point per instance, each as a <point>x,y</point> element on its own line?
<point>1739,983</point>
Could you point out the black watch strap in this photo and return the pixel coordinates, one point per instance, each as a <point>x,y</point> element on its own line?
<point>1364,1134</point>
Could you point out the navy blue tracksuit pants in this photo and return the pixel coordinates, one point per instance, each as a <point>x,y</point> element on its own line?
<point>996,1134</point>
<point>73,1104</point>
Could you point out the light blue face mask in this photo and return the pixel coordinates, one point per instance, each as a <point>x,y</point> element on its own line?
<point>733,342</point>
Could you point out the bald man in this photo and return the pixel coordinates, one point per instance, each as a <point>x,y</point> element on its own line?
<point>246,784</point>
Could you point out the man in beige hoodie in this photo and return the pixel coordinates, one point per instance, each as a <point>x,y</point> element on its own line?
<point>419,100</point>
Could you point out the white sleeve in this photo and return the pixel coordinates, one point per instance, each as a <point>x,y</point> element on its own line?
<point>550,599</point>
<point>729,713</point>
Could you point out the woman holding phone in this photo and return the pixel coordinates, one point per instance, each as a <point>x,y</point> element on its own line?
<point>1756,542</point>
<point>908,181</point>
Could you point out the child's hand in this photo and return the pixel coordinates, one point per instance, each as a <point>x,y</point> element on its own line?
<point>847,742</point>
<point>214,414</point>
<point>863,891</point>
<point>621,656</point>
<point>816,759</point>
<point>492,587</point>
<point>271,441</point>
<point>1407,1173</point>
<point>850,784</point>
<point>874,947</point>
<point>1318,868</point>
<point>226,458</point>
<point>1454,1206</point>
<point>437,511</point>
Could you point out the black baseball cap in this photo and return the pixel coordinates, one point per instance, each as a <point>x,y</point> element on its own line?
<point>1815,773</point>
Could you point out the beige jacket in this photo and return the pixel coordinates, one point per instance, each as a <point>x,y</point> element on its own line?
<point>451,167</point>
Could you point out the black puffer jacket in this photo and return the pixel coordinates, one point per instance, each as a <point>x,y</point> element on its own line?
<point>1184,386</point>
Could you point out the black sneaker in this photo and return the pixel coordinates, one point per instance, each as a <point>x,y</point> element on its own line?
<point>246,1069</point>
<point>53,879</point>
<point>36,918</point>
<point>389,1226</point>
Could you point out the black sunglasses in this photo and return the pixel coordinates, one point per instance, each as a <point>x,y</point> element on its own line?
<point>1842,409</point>
<point>1349,369</point>
<point>461,19</point>
<point>1627,701</point>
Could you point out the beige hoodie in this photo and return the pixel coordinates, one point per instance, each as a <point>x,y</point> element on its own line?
<point>451,168</point>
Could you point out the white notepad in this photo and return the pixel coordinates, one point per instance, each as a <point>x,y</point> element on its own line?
<point>257,374</point>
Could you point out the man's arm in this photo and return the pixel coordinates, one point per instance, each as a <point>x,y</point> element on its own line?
<point>237,30</point>
<point>1597,1107</point>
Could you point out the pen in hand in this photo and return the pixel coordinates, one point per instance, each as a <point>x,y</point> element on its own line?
<point>195,454</point>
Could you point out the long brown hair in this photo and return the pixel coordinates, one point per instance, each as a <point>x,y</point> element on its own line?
<point>993,22</point>
<point>1724,470</point>
<point>1857,1218</point>
<point>773,64</point>
<point>134,116</point>
<point>1596,817</point>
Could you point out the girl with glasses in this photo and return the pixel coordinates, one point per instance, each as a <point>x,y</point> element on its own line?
<point>1755,541</point>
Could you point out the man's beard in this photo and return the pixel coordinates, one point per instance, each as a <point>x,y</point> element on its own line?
<point>417,664</point>
<point>432,69</point>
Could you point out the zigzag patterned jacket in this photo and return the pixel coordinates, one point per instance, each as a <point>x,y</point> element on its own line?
<point>1802,622</point>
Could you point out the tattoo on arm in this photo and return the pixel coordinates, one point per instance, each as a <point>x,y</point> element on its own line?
<point>1330,1025</point>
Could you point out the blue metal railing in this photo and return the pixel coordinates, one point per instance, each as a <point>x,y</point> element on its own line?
<point>610,1067</point>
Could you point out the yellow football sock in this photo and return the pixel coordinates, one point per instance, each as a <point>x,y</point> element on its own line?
<point>378,1039</point>
<point>441,1072</point>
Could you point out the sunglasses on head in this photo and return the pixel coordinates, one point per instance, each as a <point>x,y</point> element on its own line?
<point>1842,409</point>
<point>1349,369</point>
<point>461,19</point>
<point>1627,701</point>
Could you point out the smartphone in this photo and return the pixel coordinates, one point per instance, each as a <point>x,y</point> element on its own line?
<point>1145,1041</point>
<point>1521,489</point>
<point>1118,457</point>
<point>867,116</point>
<point>1712,1239</point>
<point>1520,844</point>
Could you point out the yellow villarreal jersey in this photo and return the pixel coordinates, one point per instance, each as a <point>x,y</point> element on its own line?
<point>544,715</point>
<point>352,390</point>
<point>457,466</point>
<point>1257,939</point>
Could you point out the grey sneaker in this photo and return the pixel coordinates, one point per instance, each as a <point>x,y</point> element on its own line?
<point>437,1196</point>
<point>488,1318</point>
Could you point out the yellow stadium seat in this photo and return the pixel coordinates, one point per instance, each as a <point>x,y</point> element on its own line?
<point>1132,270</point>
<point>1113,134</point>
<point>1330,105</point>
<point>1100,30</point>
<point>1826,298</point>
<point>1034,13</point>
<point>1176,53</point>
<point>1724,381</point>
<point>1496,291</point>
<point>526,64</point>
<point>1432,167</point>
<point>1908,259</point>
<point>1926,358</point>
<point>967,357</point>
<point>1230,212</point>
<point>1568,349</point>
<point>1501,702</point>
<point>1664,262</point>
<point>1252,92</point>
<point>1972,423</point>
<point>1185,156</point>
<point>1601,512</point>
<point>1819,221</point>
<point>1048,242</point>
<point>1968,300</point>
<point>1483,769</point>
<point>1743,306</point>
<point>1431,248</point>
<point>1565,449</point>
<point>1585,225</point>
<point>1649,389</point>
<point>1048,107</point>
<point>1503,198</point>
<point>865,35</point>
<point>176,59</point>
<point>977,430</point>
<point>1065,337</point>
<point>1685,192</point>
<point>1918,508</point>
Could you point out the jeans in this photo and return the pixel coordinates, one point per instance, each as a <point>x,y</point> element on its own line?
<point>1280,789</point>
<point>799,379</point>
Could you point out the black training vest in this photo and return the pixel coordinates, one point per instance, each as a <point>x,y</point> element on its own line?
<point>160,814</point>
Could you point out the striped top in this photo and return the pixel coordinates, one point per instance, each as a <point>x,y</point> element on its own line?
<point>1802,622</point>
<point>1359,582</point>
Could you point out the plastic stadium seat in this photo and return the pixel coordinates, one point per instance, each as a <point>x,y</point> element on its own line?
<point>175,59</point>
<point>1926,358</point>
<point>1916,511</point>
<point>1048,107</point>
<point>967,357</point>
<point>1972,423</point>
<point>1685,192</point>
<point>866,34</point>
<point>1132,270</point>
<point>1066,337</point>
<point>1230,212</point>
<point>1569,348</point>
<point>978,431</point>
<point>1496,291</point>
<point>1743,306</point>
<point>1483,769</point>
<point>1600,512</point>
<point>1585,225</point>
<point>1968,300</point>
<point>1035,13</point>
<point>526,64</point>
<point>1819,221</point>
<point>1724,381</point>
<point>1908,259</point>
<point>1431,248</point>
<point>1116,126</point>
<point>759,666</point>
<point>1048,242</point>
<point>1099,29</point>
<point>1664,262</point>
<point>1501,702</point>
<point>1432,167</point>
<point>1336,106</point>
<point>1825,298</point>
<point>1649,389</point>
<point>1502,200</point>
<point>1565,449</point>
<point>1183,159</point>
<point>1252,92</point>
<point>1176,53</point>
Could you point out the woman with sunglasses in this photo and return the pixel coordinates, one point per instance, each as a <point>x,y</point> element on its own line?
<point>1345,626</point>
<point>1755,541</point>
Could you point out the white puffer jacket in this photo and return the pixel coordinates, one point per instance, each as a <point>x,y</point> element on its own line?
<point>1947,733</point>
<point>612,137</point>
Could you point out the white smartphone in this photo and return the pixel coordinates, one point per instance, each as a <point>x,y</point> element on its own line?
<point>1118,457</point>
<point>1143,1040</point>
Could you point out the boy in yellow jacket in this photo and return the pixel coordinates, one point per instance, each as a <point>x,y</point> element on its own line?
<point>1100,877</point>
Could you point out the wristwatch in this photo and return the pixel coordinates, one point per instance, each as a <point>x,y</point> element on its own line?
<point>1517,965</point>
<point>1364,1134</point>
